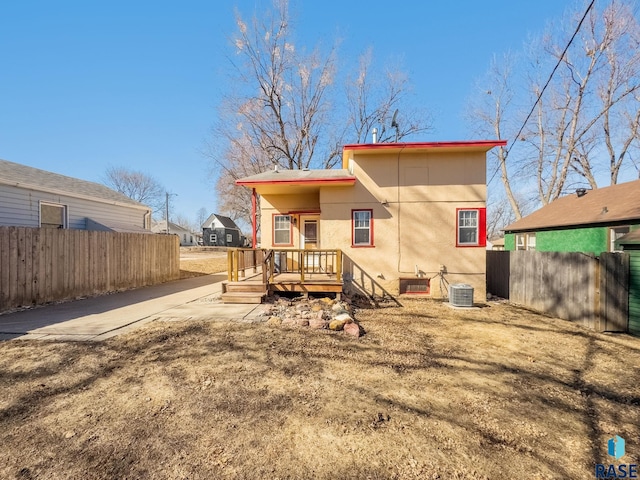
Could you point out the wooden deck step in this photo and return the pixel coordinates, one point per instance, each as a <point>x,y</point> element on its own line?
<point>245,286</point>
<point>243,297</point>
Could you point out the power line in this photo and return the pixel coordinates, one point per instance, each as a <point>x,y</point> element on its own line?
<point>524,124</point>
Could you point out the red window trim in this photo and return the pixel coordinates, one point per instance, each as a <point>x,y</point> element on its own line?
<point>482,228</point>
<point>273,230</point>
<point>370,244</point>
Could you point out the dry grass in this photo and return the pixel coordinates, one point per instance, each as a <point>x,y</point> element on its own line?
<point>194,263</point>
<point>428,392</point>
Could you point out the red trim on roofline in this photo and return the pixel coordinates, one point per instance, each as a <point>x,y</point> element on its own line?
<point>314,181</point>
<point>382,146</point>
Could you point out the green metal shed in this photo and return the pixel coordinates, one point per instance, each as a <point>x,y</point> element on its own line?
<point>631,245</point>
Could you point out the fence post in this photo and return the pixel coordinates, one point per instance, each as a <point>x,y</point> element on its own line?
<point>598,321</point>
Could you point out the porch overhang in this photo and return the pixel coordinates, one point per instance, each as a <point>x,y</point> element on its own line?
<point>296,181</point>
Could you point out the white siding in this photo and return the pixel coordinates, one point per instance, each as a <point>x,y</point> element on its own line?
<point>20,207</point>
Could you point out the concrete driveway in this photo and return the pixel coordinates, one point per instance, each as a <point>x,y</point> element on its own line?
<point>99,318</point>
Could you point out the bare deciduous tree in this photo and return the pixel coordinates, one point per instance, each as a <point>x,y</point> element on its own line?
<point>587,117</point>
<point>138,186</point>
<point>284,108</point>
<point>201,215</point>
<point>373,100</point>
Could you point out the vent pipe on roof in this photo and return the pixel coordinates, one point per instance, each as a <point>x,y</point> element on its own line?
<point>581,192</point>
<point>374,134</point>
<point>275,168</point>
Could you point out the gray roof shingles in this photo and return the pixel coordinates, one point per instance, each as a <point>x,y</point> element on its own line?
<point>19,175</point>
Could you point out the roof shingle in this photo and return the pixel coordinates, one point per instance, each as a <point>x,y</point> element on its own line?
<point>18,175</point>
<point>607,205</point>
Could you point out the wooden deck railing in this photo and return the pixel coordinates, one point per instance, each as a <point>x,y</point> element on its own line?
<point>304,263</point>
<point>239,260</point>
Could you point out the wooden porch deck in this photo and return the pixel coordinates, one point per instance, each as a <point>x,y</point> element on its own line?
<point>293,272</point>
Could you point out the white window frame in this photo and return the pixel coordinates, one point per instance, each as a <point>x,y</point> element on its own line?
<point>282,223</point>
<point>614,234</point>
<point>213,238</point>
<point>56,205</point>
<point>531,241</point>
<point>364,223</point>
<point>465,222</point>
<point>229,238</point>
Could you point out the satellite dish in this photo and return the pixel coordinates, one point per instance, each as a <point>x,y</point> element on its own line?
<point>394,124</point>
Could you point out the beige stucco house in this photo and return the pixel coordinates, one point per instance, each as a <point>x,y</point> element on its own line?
<point>401,213</point>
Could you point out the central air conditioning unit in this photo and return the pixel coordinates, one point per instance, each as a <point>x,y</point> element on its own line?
<point>461,295</point>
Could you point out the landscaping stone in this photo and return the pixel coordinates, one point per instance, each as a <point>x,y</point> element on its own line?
<point>318,323</point>
<point>343,317</point>
<point>352,329</point>
<point>315,313</point>
<point>302,322</point>
<point>336,325</point>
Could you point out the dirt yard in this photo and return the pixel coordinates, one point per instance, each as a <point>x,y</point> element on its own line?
<point>428,392</point>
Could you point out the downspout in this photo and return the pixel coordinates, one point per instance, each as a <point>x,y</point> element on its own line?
<point>254,220</point>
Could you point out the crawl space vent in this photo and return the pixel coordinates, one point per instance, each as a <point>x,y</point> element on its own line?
<point>461,295</point>
<point>414,285</point>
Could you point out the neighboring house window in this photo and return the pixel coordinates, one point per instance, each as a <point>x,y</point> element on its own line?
<point>213,239</point>
<point>614,234</point>
<point>525,241</point>
<point>53,215</point>
<point>282,229</point>
<point>184,236</point>
<point>471,227</point>
<point>229,238</point>
<point>531,241</point>
<point>362,228</point>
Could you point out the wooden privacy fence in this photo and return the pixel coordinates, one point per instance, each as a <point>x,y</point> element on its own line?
<point>591,291</point>
<point>41,265</point>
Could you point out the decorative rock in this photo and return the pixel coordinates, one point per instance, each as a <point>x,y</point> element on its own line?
<point>326,300</point>
<point>343,317</point>
<point>316,307</point>
<point>289,320</point>
<point>274,321</point>
<point>336,325</point>
<point>352,329</point>
<point>302,322</point>
<point>318,323</point>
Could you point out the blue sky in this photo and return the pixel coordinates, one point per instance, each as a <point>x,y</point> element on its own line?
<point>87,85</point>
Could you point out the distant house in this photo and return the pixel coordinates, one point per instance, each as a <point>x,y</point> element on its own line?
<point>586,221</point>
<point>221,231</point>
<point>30,197</point>
<point>187,238</point>
<point>496,244</point>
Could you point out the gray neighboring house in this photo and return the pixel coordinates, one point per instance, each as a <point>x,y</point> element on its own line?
<point>221,231</point>
<point>30,197</point>
<point>187,238</point>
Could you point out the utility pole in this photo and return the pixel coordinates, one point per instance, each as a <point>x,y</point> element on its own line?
<point>167,210</point>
